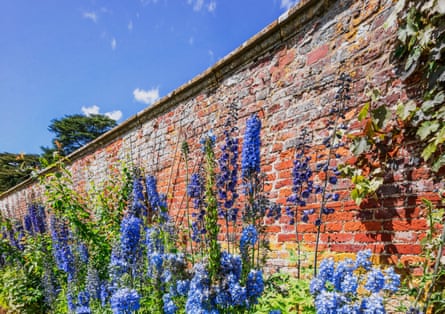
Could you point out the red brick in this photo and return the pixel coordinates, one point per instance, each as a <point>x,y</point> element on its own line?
<point>317,54</point>
<point>336,237</point>
<point>273,229</point>
<point>406,225</point>
<point>286,237</point>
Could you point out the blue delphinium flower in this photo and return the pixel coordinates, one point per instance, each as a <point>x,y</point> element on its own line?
<point>130,237</point>
<point>28,224</point>
<point>375,281</point>
<point>156,200</point>
<point>335,288</point>
<point>250,155</point>
<point>228,177</point>
<point>83,252</point>
<point>327,269</point>
<point>238,294</point>
<point>125,301</point>
<point>93,282</point>
<point>343,273</point>
<point>62,249</point>
<point>196,191</point>
<point>275,312</point>
<point>35,219</point>
<point>83,301</point>
<point>392,280</point>
<point>169,306</point>
<point>182,287</point>
<point>70,300</point>
<point>373,304</point>
<point>104,294</point>
<point>249,237</point>
<point>118,266</point>
<point>199,299</point>
<point>362,259</point>
<point>231,264</point>
<point>254,285</point>
<point>138,207</point>
<point>317,285</point>
<point>349,284</point>
<point>327,302</point>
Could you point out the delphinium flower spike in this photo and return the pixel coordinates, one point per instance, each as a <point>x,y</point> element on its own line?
<point>227,177</point>
<point>336,287</point>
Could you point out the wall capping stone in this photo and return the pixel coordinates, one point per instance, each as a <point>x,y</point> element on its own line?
<point>267,39</point>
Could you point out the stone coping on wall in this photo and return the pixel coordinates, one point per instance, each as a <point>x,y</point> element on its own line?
<point>268,38</point>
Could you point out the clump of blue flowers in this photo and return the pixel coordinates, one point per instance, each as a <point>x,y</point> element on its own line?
<point>125,301</point>
<point>250,156</point>
<point>353,286</point>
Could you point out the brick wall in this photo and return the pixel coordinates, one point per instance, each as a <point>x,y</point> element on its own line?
<point>286,74</point>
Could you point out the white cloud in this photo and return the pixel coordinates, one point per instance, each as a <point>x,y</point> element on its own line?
<point>113,43</point>
<point>211,7</point>
<point>115,115</point>
<point>146,96</point>
<point>130,25</point>
<point>90,16</point>
<point>198,5</point>
<point>146,2</point>
<point>88,111</point>
<point>287,4</point>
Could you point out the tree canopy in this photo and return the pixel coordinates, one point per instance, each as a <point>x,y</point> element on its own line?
<point>15,168</point>
<point>74,131</point>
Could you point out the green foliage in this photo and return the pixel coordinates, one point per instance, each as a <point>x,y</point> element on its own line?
<point>286,293</point>
<point>211,218</point>
<point>374,148</point>
<point>20,290</point>
<point>421,50</point>
<point>15,168</point>
<point>429,289</point>
<point>74,131</point>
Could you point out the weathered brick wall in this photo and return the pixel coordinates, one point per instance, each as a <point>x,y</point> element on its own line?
<point>287,75</point>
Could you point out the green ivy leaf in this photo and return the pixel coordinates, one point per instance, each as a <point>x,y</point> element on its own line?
<point>405,111</point>
<point>439,163</point>
<point>412,62</point>
<point>364,112</point>
<point>381,116</point>
<point>426,128</point>
<point>438,99</point>
<point>360,145</point>
<point>428,151</point>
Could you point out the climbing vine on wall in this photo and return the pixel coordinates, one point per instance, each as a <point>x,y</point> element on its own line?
<point>421,50</point>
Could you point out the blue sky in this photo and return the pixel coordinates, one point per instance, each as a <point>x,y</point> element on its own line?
<point>113,57</point>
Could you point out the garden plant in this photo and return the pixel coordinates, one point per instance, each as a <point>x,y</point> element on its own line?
<point>119,248</point>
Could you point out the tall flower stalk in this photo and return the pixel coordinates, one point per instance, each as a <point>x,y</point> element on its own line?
<point>211,217</point>
<point>332,143</point>
<point>227,177</point>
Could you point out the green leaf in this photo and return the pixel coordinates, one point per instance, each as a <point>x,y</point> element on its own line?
<point>412,62</point>
<point>425,36</point>
<point>364,112</point>
<point>428,151</point>
<point>438,99</point>
<point>426,128</point>
<point>360,145</point>
<point>440,137</point>
<point>439,163</point>
<point>375,184</point>
<point>381,116</point>
<point>405,111</point>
